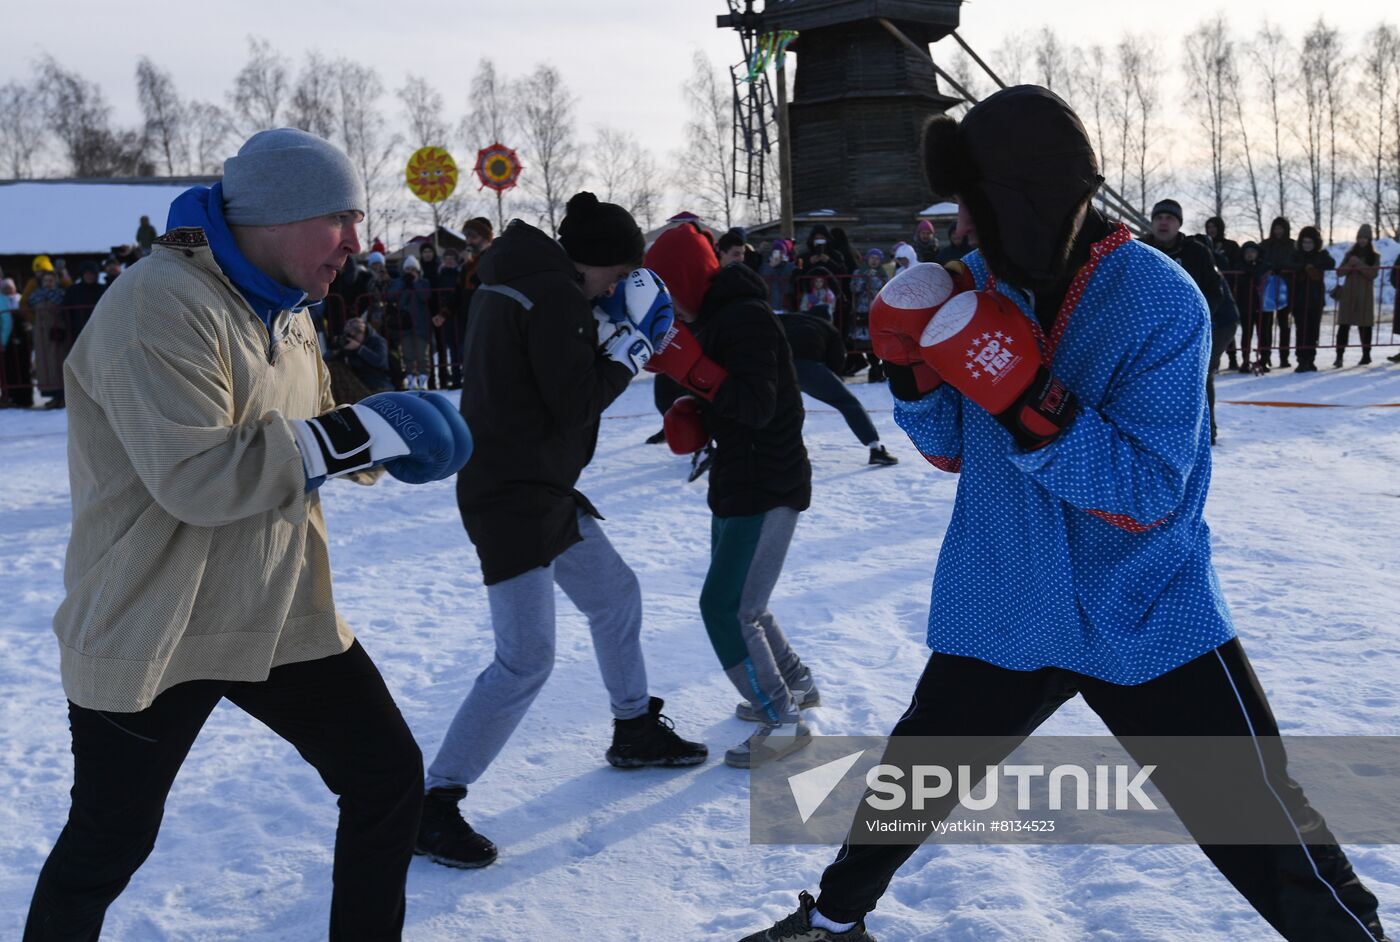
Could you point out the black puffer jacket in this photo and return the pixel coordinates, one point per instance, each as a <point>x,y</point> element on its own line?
<point>533,388</point>
<point>756,418</point>
<point>814,338</point>
<point>1198,262</point>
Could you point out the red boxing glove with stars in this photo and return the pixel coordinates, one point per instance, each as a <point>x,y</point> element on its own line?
<point>983,346</point>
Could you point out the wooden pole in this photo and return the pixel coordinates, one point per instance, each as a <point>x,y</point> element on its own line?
<point>785,225</point>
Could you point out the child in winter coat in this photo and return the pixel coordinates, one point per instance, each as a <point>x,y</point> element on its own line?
<point>1254,322</point>
<point>818,298</point>
<point>865,285</point>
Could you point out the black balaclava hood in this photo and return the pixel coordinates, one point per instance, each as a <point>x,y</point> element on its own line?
<point>1281,221</point>
<point>1022,164</point>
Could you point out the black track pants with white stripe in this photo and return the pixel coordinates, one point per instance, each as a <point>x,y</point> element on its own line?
<point>1306,890</point>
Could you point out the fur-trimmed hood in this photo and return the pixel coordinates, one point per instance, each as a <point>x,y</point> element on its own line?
<point>1022,164</point>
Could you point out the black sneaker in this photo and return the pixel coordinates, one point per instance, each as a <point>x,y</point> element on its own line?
<point>700,462</point>
<point>650,739</point>
<point>445,838</point>
<point>880,456</point>
<point>798,928</point>
<point>658,438</point>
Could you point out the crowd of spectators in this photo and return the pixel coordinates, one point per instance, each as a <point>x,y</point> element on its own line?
<point>399,323</point>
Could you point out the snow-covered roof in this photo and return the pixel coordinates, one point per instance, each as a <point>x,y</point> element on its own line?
<point>82,216</point>
<point>941,209</point>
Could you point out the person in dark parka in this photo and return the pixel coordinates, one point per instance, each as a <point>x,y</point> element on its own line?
<point>760,480</point>
<point>536,381</point>
<point>1276,289</point>
<point>1310,263</point>
<point>819,355</point>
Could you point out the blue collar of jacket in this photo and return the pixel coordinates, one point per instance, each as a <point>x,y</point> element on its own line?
<point>203,207</point>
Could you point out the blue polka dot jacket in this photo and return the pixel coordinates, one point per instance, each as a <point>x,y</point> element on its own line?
<point>1091,553</point>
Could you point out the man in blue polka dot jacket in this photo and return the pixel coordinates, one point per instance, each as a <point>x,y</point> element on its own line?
<point>1067,391</point>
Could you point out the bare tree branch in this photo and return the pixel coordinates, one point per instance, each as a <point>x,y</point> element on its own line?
<point>550,150</point>
<point>259,88</point>
<point>313,103</point>
<point>163,112</point>
<point>25,128</point>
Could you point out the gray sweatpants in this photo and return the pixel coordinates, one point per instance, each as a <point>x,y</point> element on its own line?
<point>606,591</point>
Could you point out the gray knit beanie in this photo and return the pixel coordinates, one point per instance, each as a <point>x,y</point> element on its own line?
<point>287,175</point>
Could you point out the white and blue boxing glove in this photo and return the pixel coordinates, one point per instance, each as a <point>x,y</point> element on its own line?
<point>641,299</point>
<point>628,346</point>
<point>417,437</point>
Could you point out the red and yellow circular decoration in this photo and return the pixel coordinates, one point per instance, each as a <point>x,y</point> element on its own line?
<point>431,174</point>
<point>497,167</point>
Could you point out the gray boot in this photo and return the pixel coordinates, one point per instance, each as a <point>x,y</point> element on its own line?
<point>804,693</point>
<point>771,741</point>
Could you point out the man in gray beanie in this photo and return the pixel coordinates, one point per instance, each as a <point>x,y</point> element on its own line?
<point>201,426</point>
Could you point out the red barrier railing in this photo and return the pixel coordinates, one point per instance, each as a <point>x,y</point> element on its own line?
<point>1286,313</point>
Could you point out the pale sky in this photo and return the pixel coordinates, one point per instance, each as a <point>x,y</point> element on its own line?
<point>625,60</point>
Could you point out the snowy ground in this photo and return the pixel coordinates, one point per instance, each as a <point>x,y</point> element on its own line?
<point>1304,509</point>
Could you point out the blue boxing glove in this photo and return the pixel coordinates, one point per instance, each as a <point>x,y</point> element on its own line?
<point>417,437</point>
<point>641,298</point>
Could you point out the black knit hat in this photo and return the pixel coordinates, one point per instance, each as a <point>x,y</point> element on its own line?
<point>1170,207</point>
<point>601,234</point>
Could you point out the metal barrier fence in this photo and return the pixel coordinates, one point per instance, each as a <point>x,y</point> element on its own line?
<point>1280,313</point>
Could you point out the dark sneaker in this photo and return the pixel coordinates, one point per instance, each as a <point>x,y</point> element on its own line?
<point>804,692</point>
<point>879,456</point>
<point>651,739</point>
<point>445,838</point>
<point>700,462</point>
<point>798,928</point>
<point>657,438</point>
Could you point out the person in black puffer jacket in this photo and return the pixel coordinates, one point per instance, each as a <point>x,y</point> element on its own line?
<point>819,355</point>
<point>536,380</point>
<point>760,479</point>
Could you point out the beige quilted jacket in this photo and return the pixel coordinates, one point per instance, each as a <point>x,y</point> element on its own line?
<point>195,553</point>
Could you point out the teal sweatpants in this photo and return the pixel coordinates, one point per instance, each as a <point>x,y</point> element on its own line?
<point>746,558</point>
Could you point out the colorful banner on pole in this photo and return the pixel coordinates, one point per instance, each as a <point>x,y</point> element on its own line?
<point>431,174</point>
<point>497,167</point>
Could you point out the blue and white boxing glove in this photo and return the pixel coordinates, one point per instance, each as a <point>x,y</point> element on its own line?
<point>648,305</point>
<point>417,437</point>
<point>610,313</point>
<point>628,346</point>
<point>641,299</point>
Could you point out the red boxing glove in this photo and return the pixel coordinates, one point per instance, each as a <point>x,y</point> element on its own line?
<point>903,308</point>
<point>962,278</point>
<point>982,345</point>
<point>680,357</point>
<point>685,426</point>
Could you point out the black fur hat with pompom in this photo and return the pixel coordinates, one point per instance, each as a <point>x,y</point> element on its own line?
<point>598,233</point>
<point>1021,164</point>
